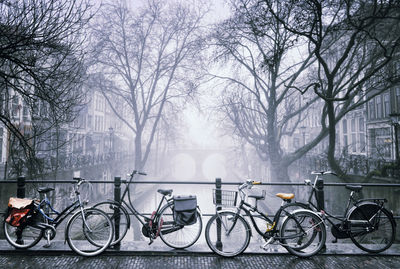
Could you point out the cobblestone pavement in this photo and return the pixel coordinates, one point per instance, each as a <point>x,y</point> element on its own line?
<point>198,261</point>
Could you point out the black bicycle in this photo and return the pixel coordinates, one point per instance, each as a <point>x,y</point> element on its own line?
<point>368,224</point>
<point>88,232</point>
<point>228,232</point>
<point>163,222</point>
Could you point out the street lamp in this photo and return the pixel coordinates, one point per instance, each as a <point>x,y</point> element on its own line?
<point>111,130</point>
<point>395,122</point>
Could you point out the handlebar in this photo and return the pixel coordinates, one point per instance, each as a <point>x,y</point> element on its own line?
<point>137,172</point>
<point>321,173</point>
<point>249,184</point>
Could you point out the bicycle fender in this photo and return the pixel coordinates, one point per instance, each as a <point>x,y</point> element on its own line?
<point>66,226</point>
<point>318,215</point>
<point>240,216</point>
<point>121,205</point>
<point>368,203</point>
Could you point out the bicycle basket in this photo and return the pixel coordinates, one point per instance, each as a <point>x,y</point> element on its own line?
<point>225,197</point>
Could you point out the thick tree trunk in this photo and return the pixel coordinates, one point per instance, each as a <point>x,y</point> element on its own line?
<point>332,140</point>
<point>279,170</point>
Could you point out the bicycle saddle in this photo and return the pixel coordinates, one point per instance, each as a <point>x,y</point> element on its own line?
<point>285,196</point>
<point>45,189</point>
<point>354,187</point>
<point>165,192</point>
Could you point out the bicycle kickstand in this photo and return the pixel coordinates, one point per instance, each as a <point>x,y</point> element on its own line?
<point>48,243</point>
<point>270,241</point>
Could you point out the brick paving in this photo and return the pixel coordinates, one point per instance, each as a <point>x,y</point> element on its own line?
<point>207,261</point>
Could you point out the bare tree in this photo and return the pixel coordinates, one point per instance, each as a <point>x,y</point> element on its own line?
<point>354,42</point>
<point>149,58</point>
<point>41,66</point>
<point>260,99</point>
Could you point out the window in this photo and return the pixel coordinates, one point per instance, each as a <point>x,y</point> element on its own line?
<point>1,144</point>
<point>362,142</point>
<point>344,123</point>
<point>378,107</point>
<point>361,139</point>
<point>371,109</point>
<point>353,142</point>
<point>15,107</point>
<point>25,112</point>
<point>353,136</point>
<point>386,105</point>
<point>398,99</point>
<point>361,126</point>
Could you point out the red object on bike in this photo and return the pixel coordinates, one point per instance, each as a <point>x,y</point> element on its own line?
<point>18,217</point>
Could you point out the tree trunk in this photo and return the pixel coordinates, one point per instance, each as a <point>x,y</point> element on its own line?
<point>332,140</point>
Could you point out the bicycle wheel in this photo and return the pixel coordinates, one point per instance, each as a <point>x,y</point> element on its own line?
<point>118,214</point>
<point>23,238</point>
<point>303,233</point>
<point>376,235</point>
<point>177,236</point>
<point>227,234</point>
<point>89,233</point>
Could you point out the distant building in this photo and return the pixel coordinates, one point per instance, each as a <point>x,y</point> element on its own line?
<point>380,128</point>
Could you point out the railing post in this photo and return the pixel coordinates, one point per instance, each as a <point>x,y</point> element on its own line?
<point>20,194</point>
<point>218,198</point>
<point>320,194</point>
<point>117,198</point>
<point>21,187</point>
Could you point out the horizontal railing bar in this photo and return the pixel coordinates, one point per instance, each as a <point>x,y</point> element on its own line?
<point>204,183</point>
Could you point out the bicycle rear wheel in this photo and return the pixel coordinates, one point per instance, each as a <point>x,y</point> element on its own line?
<point>22,237</point>
<point>376,235</point>
<point>118,214</point>
<point>303,233</point>
<point>227,234</point>
<point>174,235</point>
<point>90,232</point>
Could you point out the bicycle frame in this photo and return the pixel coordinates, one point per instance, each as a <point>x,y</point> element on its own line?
<point>352,204</point>
<point>130,206</point>
<point>247,208</point>
<point>61,216</point>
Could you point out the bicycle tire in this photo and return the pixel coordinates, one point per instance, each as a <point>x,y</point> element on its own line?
<point>303,245</point>
<point>176,236</point>
<point>91,242</point>
<point>113,209</point>
<point>383,233</point>
<point>29,235</point>
<point>222,243</point>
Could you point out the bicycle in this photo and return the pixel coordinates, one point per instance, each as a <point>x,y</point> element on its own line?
<point>88,232</point>
<point>228,233</point>
<point>369,225</point>
<point>161,223</point>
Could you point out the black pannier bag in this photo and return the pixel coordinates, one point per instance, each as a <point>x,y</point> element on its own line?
<point>185,209</point>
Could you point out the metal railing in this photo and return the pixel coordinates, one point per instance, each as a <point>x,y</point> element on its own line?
<point>21,186</point>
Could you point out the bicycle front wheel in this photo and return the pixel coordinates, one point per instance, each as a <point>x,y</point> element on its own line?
<point>22,238</point>
<point>227,234</point>
<point>375,235</point>
<point>303,233</point>
<point>119,216</point>
<point>174,235</point>
<point>90,232</point>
